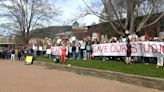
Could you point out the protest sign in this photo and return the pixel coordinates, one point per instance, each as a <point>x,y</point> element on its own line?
<point>56,50</point>
<point>147,49</point>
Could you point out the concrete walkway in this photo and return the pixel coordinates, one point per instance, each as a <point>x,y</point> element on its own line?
<point>17,77</point>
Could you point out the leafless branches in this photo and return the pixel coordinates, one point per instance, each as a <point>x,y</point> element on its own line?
<point>26,15</point>
<point>126,13</point>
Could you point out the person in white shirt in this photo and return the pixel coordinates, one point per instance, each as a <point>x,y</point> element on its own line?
<point>83,49</point>
<point>12,54</point>
<point>70,51</point>
<point>160,59</point>
<point>78,50</point>
<point>34,47</point>
<point>40,50</point>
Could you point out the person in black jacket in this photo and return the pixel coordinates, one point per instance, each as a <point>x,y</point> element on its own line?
<point>73,51</point>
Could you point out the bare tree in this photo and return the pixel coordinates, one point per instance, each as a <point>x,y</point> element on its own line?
<point>26,15</point>
<point>124,14</point>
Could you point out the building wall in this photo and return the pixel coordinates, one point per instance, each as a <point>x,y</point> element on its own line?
<point>7,40</point>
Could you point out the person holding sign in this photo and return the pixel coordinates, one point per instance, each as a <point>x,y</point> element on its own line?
<point>63,54</point>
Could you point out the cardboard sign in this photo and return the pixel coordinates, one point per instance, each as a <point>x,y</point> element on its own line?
<point>28,59</point>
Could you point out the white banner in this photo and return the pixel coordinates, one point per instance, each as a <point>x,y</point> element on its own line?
<point>146,49</point>
<point>56,50</point>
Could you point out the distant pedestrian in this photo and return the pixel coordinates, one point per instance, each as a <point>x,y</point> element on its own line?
<point>19,54</point>
<point>12,54</point>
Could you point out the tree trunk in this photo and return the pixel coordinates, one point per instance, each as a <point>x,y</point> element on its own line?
<point>130,16</point>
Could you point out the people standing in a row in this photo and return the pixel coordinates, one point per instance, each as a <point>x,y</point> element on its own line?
<point>78,50</point>
<point>15,53</point>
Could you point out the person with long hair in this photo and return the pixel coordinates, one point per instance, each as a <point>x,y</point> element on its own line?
<point>128,51</point>
<point>89,50</point>
<point>63,54</point>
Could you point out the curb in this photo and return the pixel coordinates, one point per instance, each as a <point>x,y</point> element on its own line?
<point>150,82</point>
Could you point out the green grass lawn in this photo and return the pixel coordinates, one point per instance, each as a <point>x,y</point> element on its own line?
<point>137,69</point>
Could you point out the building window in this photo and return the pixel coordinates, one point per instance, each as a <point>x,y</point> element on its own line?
<point>3,40</point>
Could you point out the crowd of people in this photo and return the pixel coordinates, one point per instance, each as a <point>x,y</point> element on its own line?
<point>75,50</point>
<point>83,50</point>
<point>15,53</point>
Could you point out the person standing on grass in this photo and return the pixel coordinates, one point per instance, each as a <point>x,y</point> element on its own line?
<point>89,50</point>
<point>69,51</point>
<point>83,50</point>
<point>78,52</point>
<point>73,50</point>
<point>128,51</point>
<point>63,54</point>
<point>160,59</point>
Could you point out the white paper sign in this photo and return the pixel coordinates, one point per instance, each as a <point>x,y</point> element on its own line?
<point>56,50</point>
<point>48,51</point>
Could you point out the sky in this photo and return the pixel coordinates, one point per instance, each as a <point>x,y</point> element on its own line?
<point>70,10</point>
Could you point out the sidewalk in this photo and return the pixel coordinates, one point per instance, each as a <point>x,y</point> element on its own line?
<point>17,77</point>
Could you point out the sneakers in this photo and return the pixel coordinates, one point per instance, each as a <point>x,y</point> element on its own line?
<point>146,63</point>
<point>157,66</point>
<point>84,59</point>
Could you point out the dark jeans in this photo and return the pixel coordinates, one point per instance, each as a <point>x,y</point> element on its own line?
<point>146,59</point>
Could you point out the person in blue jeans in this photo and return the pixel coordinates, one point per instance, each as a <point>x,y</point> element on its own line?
<point>89,50</point>
<point>78,51</point>
<point>83,50</point>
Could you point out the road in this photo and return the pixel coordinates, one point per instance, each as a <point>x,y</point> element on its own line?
<point>17,77</point>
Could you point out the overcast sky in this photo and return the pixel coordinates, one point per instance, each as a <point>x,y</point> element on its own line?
<point>70,10</point>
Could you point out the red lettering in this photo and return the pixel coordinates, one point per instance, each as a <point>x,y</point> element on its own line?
<point>94,49</point>
<point>123,48</point>
<point>134,49</point>
<point>140,44</point>
<point>162,49</point>
<point>106,48</point>
<point>112,48</point>
<point>100,49</point>
<point>146,48</point>
<point>118,48</point>
<point>154,48</point>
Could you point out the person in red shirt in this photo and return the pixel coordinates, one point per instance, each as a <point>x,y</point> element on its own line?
<point>129,51</point>
<point>63,54</point>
